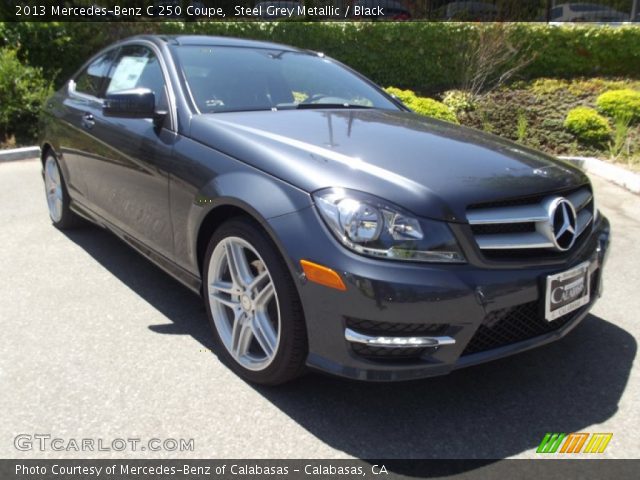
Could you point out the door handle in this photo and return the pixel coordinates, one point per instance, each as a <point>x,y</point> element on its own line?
<point>88,121</point>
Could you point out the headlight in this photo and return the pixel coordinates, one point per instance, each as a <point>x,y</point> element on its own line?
<point>372,227</point>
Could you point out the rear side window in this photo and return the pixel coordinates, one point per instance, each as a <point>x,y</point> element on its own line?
<point>90,80</point>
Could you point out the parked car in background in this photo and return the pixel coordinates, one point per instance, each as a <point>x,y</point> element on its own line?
<point>586,12</point>
<point>324,224</point>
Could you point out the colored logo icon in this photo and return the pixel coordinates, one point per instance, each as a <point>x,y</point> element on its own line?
<point>574,443</point>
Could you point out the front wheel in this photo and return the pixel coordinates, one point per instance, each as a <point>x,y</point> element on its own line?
<point>253,306</point>
<point>57,195</point>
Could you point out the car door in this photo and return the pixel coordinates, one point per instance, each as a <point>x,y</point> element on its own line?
<point>81,103</point>
<point>128,182</point>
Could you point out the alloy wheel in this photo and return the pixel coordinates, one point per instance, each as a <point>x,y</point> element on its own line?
<point>53,187</point>
<point>244,303</point>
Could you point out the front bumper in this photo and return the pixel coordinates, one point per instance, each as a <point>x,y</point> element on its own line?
<point>476,306</point>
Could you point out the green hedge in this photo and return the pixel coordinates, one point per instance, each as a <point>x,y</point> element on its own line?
<point>421,56</point>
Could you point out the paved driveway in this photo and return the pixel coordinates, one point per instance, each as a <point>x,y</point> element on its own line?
<point>97,343</point>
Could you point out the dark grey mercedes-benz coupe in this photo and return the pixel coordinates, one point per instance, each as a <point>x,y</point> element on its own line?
<point>324,224</point>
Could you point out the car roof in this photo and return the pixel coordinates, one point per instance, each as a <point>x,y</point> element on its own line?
<point>207,40</point>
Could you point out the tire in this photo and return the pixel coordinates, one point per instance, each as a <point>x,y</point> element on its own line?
<point>254,309</point>
<point>57,195</point>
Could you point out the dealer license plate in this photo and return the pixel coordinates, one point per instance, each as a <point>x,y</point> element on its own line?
<point>567,291</point>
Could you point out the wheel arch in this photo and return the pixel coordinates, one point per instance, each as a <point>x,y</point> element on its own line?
<point>226,209</point>
<point>45,148</point>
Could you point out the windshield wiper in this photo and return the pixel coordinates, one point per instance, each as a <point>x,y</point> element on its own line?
<point>310,106</point>
<point>239,110</point>
<point>294,106</point>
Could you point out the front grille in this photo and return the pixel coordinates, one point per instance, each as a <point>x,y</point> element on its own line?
<point>516,324</point>
<point>513,325</point>
<point>510,202</point>
<point>492,229</point>
<point>521,228</point>
<point>527,254</point>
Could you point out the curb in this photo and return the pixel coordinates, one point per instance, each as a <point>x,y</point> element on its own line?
<point>24,153</point>
<point>608,171</point>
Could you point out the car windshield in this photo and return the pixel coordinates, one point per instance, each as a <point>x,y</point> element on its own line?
<point>231,79</point>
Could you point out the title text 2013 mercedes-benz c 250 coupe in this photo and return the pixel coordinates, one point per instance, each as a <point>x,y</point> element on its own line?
<point>324,224</point>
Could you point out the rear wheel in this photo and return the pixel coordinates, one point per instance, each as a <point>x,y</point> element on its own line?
<point>57,195</point>
<point>253,305</point>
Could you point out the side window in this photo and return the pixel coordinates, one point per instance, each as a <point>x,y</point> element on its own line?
<point>89,81</point>
<point>138,67</point>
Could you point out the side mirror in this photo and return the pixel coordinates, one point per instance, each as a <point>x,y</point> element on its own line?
<point>134,103</point>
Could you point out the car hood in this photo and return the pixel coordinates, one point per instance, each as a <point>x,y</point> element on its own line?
<point>432,168</point>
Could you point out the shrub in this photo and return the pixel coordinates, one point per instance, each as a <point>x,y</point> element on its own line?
<point>22,93</point>
<point>458,101</point>
<point>432,108</point>
<point>489,57</point>
<point>423,106</point>
<point>623,104</point>
<point>405,96</point>
<point>548,86</point>
<point>587,125</point>
<point>501,111</point>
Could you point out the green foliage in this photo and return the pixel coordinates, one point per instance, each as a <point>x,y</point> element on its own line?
<point>522,126</point>
<point>405,96</point>
<point>415,55</point>
<point>432,108</point>
<point>579,50</point>
<point>423,106</point>
<point>22,93</point>
<point>587,125</point>
<point>547,86</point>
<point>620,104</point>
<point>620,144</point>
<point>426,57</point>
<point>577,86</point>
<point>545,104</point>
<point>597,85</point>
<point>458,101</point>
<point>60,48</point>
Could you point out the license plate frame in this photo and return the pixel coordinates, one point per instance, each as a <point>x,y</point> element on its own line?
<point>564,284</point>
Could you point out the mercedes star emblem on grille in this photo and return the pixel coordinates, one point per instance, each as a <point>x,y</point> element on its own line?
<point>563,220</point>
